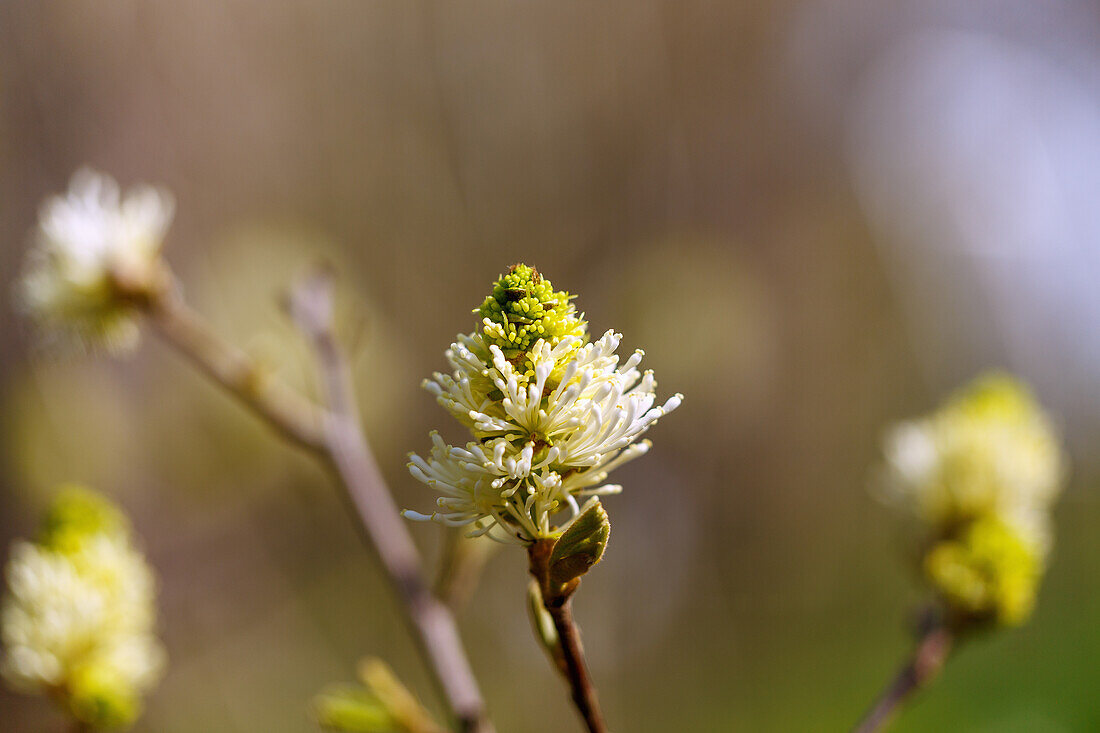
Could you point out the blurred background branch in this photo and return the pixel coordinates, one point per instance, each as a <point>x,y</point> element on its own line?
<point>310,305</point>
<point>341,443</point>
<point>295,418</point>
<point>932,650</point>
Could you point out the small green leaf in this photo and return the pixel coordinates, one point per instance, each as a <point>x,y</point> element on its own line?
<point>581,545</point>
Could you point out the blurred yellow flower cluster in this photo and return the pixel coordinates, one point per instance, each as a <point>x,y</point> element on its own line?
<point>982,472</point>
<point>77,622</point>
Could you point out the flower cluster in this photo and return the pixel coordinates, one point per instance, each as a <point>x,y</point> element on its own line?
<point>551,414</point>
<point>77,622</point>
<point>982,473</point>
<point>95,251</point>
<point>522,308</point>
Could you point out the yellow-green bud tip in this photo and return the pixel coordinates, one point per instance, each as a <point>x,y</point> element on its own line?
<point>996,396</point>
<point>78,513</point>
<point>102,697</point>
<point>524,307</point>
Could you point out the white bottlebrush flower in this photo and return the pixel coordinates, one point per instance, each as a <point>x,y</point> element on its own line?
<point>78,619</point>
<point>95,251</point>
<point>551,415</point>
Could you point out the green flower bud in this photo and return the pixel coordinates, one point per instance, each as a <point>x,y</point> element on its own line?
<point>997,396</point>
<point>523,308</point>
<point>76,514</point>
<point>102,697</point>
<point>987,573</point>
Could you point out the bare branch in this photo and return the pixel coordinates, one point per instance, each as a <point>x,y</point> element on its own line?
<point>290,414</point>
<point>310,306</point>
<point>336,437</point>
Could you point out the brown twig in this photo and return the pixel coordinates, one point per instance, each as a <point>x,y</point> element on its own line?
<point>311,307</point>
<point>291,415</point>
<point>584,692</point>
<point>335,435</point>
<point>559,604</point>
<point>928,659</point>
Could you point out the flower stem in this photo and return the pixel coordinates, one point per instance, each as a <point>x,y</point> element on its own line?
<point>559,604</point>
<point>584,692</point>
<point>334,434</point>
<point>927,660</point>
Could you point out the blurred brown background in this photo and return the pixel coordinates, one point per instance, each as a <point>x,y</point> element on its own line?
<point>816,217</point>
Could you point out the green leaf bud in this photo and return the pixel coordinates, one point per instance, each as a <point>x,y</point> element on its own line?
<point>580,546</point>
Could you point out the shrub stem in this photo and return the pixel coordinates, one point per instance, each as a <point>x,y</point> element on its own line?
<point>559,604</point>
<point>334,435</point>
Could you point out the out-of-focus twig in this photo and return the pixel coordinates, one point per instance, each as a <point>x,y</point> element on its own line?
<point>335,435</point>
<point>927,660</point>
<point>311,307</point>
<point>293,416</point>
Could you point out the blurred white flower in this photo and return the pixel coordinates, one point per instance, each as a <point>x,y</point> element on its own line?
<point>550,423</point>
<point>94,252</point>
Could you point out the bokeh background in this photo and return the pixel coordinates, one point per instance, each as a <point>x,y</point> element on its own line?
<point>816,216</point>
